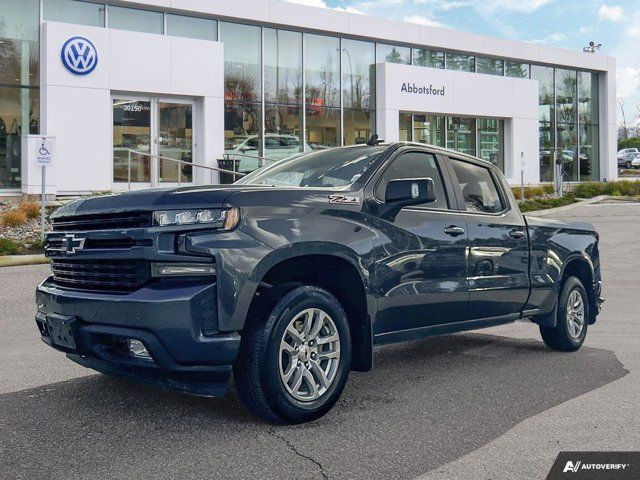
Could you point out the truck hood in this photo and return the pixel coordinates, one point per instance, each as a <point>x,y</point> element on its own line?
<point>154,199</point>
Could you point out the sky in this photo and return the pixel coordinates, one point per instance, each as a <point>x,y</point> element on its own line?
<point>562,23</point>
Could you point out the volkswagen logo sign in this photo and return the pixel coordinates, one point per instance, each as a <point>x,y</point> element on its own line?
<point>79,56</point>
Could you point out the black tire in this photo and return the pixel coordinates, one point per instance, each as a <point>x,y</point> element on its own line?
<point>559,337</point>
<point>256,370</point>
<point>627,165</point>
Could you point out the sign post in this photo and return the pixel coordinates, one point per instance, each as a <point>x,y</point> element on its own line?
<point>521,176</point>
<point>44,157</point>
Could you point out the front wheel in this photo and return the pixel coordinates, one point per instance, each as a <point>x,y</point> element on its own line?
<point>627,165</point>
<point>293,365</point>
<point>572,315</point>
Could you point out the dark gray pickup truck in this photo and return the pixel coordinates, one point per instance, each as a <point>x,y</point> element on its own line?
<point>291,276</point>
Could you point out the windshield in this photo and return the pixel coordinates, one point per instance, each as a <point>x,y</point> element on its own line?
<point>336,167</point>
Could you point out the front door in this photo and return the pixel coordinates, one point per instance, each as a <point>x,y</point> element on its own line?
<point>420,273</point>
<point>153,141</point>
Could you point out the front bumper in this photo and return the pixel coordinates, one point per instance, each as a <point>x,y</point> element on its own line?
<point>170,318</point>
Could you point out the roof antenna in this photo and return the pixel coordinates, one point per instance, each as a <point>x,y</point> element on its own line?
<point>373,141</point>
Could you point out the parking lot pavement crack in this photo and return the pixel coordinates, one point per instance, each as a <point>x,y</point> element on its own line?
<point>298,453</point>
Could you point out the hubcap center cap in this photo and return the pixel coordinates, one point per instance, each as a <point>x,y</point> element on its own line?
<point>305,353</point>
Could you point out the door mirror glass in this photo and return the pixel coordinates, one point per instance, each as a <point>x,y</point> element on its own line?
<point>405,192</point>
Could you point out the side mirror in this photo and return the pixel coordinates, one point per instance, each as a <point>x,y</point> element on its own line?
<point>405,192</point>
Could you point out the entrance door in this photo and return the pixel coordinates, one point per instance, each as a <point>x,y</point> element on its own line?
<point>148,134</point>
<point>175,140</point>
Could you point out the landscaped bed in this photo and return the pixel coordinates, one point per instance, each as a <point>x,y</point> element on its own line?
<point>20,228</point>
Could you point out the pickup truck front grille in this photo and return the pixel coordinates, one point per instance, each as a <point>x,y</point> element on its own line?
<point>114,221</point>
<point>101,275</point>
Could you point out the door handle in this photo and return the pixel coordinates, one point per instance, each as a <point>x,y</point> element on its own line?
<point>517,234</point>
<point>454,230</point>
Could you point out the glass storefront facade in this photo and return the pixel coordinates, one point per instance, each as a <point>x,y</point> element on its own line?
<point>19,84</point>
<point>481,137</point>
<point>291,91</point>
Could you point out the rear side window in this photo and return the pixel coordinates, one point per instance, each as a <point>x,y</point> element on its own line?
<point>478,188</point>
<point>414,165</point>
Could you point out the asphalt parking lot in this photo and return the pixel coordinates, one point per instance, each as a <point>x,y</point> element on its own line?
<point>484,405</point>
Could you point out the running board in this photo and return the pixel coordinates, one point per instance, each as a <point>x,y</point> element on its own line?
<point>442,329</point>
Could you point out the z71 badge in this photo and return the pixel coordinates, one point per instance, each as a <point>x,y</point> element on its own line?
<point>344,199</point>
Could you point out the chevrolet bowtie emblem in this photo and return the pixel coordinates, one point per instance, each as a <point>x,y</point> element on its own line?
<point>71,244</point>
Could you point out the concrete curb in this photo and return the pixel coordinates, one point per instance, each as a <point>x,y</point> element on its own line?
<point>552,211</point>
<point>18,260</point>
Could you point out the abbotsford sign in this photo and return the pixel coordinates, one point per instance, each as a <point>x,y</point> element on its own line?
<point>410,87</point>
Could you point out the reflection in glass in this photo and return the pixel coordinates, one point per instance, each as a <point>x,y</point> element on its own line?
<point>19,44</point>
<point>192,27</point>
<point>146,21</point>
<point>73,11</point>
<point>546,145</point>
<point>461,134</point>
<point>323,127</point>
<point>406,133</point>
<point>491,141</point>
<point>241,134</point>
<point>460,62</point>
<point>428,58</point>
<point>567,149</point>
<point>322,71</point>
<point>283,131</point>
<point>358,125</point>
<point>175,140</point>
<point>358,74</point>
<point>131,131</point>
<point>490,66</point>
<point>429,129</point>
<point>588,97</point>
<point>282,66</point>
<point>544,76</point>
<point>241,62</point>
<point>589,148</point>
<point>516,69</point>
<point>19,114</point>
<point>393,54</point>
<point>566,95</point>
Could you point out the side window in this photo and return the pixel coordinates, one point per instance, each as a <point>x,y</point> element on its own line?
<point>414,165</point>
<point>478,187</point>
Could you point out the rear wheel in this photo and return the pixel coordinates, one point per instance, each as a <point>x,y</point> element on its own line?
<point>627,165</point>
<point>572,314</point>
<point>293,365</point>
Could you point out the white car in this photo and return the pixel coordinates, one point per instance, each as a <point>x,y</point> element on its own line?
<point>635,163</point>
<point>277,147</point>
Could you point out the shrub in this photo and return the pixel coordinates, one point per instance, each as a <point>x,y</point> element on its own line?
<point>588,189</point>
<point>533,192</point>
<point>14,218</point>
<point>548,188</point>
<point>31,209</point>
<point>516,192</point>
<point>9,247</point>
<point>629,143</point>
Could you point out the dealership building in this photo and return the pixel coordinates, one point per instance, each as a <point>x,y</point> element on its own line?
<point>130,94</point>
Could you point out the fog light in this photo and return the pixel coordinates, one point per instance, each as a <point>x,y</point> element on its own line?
<point>137,349</point>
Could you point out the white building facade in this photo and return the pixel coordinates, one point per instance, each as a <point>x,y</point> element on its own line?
<point>132,94</point>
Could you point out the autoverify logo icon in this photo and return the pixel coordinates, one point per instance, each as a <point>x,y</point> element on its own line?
<point>571,467</point>
<point>79,55</point>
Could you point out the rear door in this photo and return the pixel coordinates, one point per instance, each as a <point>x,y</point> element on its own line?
<point>498,257</point>
<point>420,273</point>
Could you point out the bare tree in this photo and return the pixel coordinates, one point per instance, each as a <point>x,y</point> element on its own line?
<point>625,130</point>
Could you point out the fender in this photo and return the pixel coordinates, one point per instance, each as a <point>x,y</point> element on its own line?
<point>292,251</point>
<point>548,319</point>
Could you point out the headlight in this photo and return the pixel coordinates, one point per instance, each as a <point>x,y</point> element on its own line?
<point>225,219</point>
